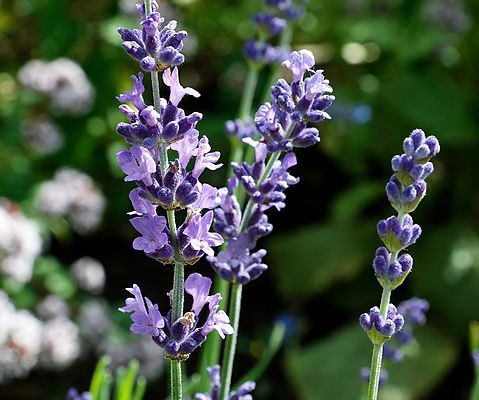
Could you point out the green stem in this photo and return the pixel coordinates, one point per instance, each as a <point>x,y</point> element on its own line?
<point>179,273</point>
<point>249,91</point>
<point>230,345</point>
<point>176,384</point>
<point>376,359</point>
<point>475,389</point>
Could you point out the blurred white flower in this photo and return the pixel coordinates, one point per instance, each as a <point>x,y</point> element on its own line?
<point>7,310</point>
<point>89,274</point>
<point>20,243</point>
<point>94,321</point>
<point>73,195</point>
<point>63,81</point>
<point>60,343</point>
<point>42,135</point>
<point>21,349</point>
<point>52,306</point>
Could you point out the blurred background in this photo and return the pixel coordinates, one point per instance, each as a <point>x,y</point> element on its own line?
<point>65,239</point>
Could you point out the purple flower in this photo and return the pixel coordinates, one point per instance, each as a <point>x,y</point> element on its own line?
<point>236,263</point>
<point>200,239</point>
<point>299,62</point>
<point>74,395</point>
<point>137,163</point>
<point>378,328</point>
<point>135,96</point>
<point>156,47</point>
<point>141,205</point>
<point>397,234</point>
<point>146,320</point>
<point>204,159</point>
<point>152,229</point>
<point>242,393</point>
<point>391,273</point>
<point>179,338</point>
<point>177,92</point>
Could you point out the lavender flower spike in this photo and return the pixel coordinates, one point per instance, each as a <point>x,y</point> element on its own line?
<point>180,337</point>
<point>405,189</point>
<point>242,393</point>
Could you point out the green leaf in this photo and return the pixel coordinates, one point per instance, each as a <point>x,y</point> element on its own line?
<point>128,382</point>
<point>329,369</point>
<point>99,376</point>
<point>319,256</point>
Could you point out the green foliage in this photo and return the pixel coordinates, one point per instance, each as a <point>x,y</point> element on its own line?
<point>329,369</point>
<point>125,385</point>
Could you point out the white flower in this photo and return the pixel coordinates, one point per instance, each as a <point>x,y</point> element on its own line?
<point>60,343</point>
<point>89,274</point>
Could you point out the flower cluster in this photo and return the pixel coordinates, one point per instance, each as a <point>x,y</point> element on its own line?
<point>180,337</point>
<point>264,181</point>
<point>269,24</point>
<point>378,328</point>
<point>20,243</point>
<point>73,195</point>
<point>62,81</point>
<point>242,393</point>
<point>405,189</point>
<point>283,124</point>
<point>414,313</point>
<point>174,188</point>
<point>155,46</point>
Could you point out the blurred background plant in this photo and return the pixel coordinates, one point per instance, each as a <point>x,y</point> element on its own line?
<point>65,252</point>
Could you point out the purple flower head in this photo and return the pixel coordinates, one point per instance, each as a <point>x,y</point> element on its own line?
<point>204,159</point>
<point>365,375</point>
<point>150,127</point>
<point>141,205</point>
<point>378,328</point>
<point>199,239</point>
<point>152,229</point>
<point>236,263</point>
<point>241,128</point>
<point>181,337</point>
<point>177,92</point>
<point>155,46</point>
<point>135,96</point>
<point>137,163</point>
<point>420,147</point>
<point>299,62</point>
<point>398,235</point>
<point>147,320</point>
<point>269,24</point>
<point>475,358</point>
<point>242,393</point>
<point>186,147</point>
<point>414,313</point>
<point>391,274</point>
<point>74,395</point>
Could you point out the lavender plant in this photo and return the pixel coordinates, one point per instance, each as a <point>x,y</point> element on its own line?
<point>283,125</point>
<point>405,190</point>
<point>153,133</point>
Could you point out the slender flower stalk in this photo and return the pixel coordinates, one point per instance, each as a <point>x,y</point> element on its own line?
<point>282,126</point>
<point>244,127</point>
<point>405,190</point>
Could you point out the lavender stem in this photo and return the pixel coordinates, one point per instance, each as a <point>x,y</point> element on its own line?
<point>230,346</point>
<point>178,278</point>
<point>376,360</point>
